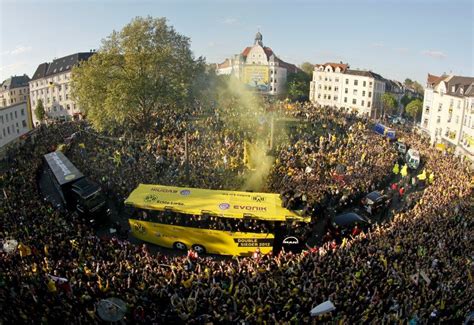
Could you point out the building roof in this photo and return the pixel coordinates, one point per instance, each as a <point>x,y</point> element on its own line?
<point>433,80</point>
<point>225,64</point>
<point>342,66</point>
<point>15,82</point>
<point>60,65</point>
<point>461,85</point>
<point>364,73</point>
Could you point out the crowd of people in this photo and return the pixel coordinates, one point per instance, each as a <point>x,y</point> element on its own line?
<point>415,269</point>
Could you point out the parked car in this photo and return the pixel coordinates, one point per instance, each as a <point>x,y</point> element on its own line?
<point>374,202</point>
<point>343,224</point>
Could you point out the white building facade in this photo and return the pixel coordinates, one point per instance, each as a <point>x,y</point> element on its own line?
<point>448,113</point>
<point>334,84</point>
<point>259,68</point>
<point>51,85</point>
<point>15,120</point>
<point>14,90</point>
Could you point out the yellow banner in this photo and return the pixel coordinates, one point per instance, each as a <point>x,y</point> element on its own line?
<point>213,241</point>
<point>229,204</point>
<point>257,76</point>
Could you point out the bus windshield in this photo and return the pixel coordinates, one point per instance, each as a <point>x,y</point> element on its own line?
<point>94,201</point>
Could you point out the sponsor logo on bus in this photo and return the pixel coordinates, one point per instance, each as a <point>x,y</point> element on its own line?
<point>258,198</point>
<point>150,198</point>
<point>291,241</point>
<point>139,228</point>
<point>69,177</point>
<point>253,242</point>
<point>249,208</point>
<point>163,190</point>
<point>185,192</point>
<point>224,206</point>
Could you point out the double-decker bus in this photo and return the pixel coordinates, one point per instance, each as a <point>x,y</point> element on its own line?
<point>213,221</point>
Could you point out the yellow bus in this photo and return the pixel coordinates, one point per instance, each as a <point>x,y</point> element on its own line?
<point>212,221</point>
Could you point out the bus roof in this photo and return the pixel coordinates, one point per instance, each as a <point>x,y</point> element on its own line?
<point>229,204</point>
<point>64,171</point>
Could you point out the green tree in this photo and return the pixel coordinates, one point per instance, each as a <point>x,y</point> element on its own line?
<point>414,108</point>
<point>405,100</point>
<point>389,103</point>
<point>298,86</point>
<point>408,82</point>
<point>417,87</point>
<point>139,73</point>
<point>308,68</point>
<point>39,111</point>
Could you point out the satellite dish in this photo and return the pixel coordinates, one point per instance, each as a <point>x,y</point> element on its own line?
<point>111,309</point>
<point>10,246</point>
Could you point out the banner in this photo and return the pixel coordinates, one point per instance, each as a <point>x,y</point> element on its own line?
<point>257,76</point>
<point>230,204</point>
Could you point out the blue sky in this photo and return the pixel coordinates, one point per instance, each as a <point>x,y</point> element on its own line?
<point>397,39</point>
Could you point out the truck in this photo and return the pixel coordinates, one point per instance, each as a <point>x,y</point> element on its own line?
<point>77,192</point>
<point>385,131</point>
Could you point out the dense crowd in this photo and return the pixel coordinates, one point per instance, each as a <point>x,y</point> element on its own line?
<point>416,268</point>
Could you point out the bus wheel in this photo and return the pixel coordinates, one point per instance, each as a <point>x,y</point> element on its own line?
<point>179,245</point>
<point>199,249</point>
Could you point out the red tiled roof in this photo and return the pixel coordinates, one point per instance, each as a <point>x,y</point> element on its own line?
<point>246,51</point>
<point>224,64</point>
<point>342,66</point>
<point>433,80</point>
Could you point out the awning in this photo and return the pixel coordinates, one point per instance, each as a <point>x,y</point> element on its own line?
<point>230,204</point>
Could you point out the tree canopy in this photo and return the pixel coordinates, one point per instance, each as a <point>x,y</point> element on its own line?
<point>414,108</point>
<point>140,72</point>
<point>308,68</point>
<point>39,110</point>
<point>298,86</point>
<point>389,103</point>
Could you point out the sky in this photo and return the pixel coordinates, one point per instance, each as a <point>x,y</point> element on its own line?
<point>397,39</point>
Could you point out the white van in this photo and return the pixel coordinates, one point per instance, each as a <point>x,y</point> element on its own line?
<point>412,158</point>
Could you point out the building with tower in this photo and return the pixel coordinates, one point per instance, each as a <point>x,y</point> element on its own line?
<point>259,68</point>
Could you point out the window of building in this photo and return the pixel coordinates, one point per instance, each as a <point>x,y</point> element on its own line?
<point>335,98</point>
<point>319,86</point>
<point>345,99</point>
<point>370,94</point>
<point>354,92</point>
<point>319,96</point>
<point>22,112</point>
<point>354,101</point>
<point>347,81</point>
<point>325,96</point>
<point>11,116</point>
<point>8,129</point>
<point>346,91</point>
<point>370,84</point>
<point>6,117</point>
<point>48,100</point>
<point>364,83</point>
<point>440,107</point>
<point>4,133</point>
<point>325,87</point>
<point>336,88</point>
<point>356,82</point>
<point>363,92</point>
<point>329,96</point>
<point>368,103</point>
<point>362,103</point>
<point>336,79</point>
<point>438,119</point>
<point>67,96</point>
<point>16,114</point>
<point>23,123</point>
